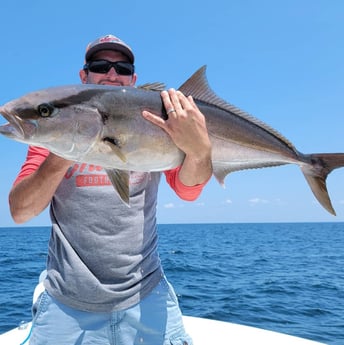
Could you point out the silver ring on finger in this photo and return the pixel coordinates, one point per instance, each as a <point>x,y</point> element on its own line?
<point>170,111</point>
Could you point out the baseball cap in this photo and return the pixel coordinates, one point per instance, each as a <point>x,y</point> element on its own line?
<point>109,42</point>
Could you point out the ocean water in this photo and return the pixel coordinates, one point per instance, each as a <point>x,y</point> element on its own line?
<point>282,277</point>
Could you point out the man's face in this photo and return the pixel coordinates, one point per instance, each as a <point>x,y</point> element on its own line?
<point>111,77</point>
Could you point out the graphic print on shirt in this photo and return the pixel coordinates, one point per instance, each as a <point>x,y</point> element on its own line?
<point>88,175</point>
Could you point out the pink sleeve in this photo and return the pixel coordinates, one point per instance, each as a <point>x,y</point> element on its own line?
<point>35,157</point>
<point>188,193</point>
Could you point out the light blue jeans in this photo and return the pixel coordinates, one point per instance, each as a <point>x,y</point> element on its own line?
<point>156,320</point>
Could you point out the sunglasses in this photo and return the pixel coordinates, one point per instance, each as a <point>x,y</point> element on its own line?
<point>104,66</point>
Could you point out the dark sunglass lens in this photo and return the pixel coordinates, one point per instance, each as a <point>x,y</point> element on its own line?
<point>124,68</point>
<point>104,66</point>
<point>99,66</point>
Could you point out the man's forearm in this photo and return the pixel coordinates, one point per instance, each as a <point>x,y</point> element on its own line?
<point>32,195</point>
<point>196,170</point>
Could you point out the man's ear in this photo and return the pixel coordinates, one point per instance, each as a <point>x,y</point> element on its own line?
<point>133,79</point>
<point>83,76</point>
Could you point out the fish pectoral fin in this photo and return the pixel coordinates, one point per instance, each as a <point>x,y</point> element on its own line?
<point>120,181</point>
<point>116,148</point>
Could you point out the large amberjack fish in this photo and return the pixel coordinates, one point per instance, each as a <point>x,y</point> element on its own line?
<point>103,125</point>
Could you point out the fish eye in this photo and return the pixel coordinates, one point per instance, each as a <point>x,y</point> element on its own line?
<point>46,110</point>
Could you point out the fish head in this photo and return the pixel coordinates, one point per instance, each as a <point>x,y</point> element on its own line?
<point>58,119</point>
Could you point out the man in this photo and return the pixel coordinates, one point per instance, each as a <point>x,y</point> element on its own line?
<point>105,283</point>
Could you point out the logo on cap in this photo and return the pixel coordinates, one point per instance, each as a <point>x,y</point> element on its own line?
<point>109,38</point>
<point>110,42</point>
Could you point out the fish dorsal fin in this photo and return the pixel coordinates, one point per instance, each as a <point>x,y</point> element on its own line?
<point>153,86</point>
<point>197,86</point>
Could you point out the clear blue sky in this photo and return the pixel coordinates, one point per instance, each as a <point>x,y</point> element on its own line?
<point>281,61</point>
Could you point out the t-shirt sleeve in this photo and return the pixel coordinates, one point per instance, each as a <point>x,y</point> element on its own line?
<point>188,193</point>
<point>35,157</point>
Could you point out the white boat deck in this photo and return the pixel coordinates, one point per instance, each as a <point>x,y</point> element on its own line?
<point>203,332</point>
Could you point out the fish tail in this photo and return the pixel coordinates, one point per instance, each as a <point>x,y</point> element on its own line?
<point>316,172</point>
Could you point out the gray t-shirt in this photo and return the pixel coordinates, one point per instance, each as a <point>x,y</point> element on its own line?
<point>103,254</point>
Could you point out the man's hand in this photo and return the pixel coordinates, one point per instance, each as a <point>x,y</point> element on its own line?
<point>186,126</point>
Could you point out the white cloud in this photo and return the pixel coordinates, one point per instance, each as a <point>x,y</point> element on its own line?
<point>255,201</point>
<point>169,205</point>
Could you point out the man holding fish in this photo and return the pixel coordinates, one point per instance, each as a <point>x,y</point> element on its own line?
<point>105,283</point>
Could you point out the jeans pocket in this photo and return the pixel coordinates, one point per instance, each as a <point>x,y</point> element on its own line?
<point>40,305</point>
<point>171,291</point>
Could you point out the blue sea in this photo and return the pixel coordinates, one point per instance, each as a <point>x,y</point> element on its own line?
<point>286,277</point>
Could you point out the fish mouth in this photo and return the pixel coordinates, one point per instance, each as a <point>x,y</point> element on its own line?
<point>12,129</point>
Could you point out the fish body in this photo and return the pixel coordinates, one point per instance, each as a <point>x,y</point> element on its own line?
<point>102,125</point>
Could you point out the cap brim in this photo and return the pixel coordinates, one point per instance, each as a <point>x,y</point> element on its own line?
<point>110,46</point>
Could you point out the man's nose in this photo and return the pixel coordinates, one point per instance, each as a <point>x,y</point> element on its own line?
<point>112,71</point>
